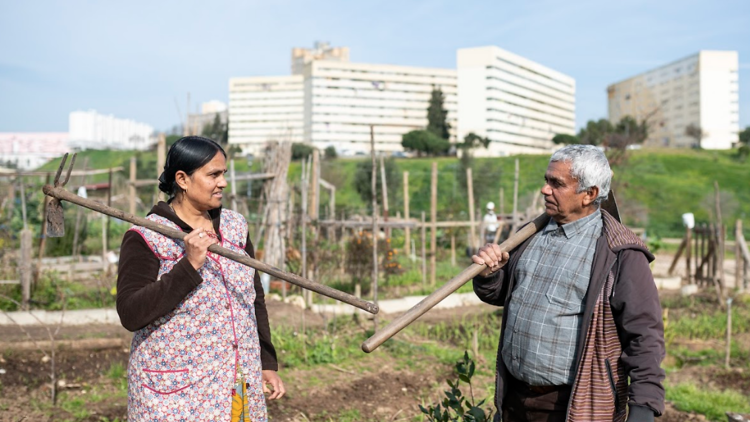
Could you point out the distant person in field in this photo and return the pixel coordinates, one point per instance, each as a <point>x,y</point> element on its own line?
<point>490,223</point>
<point>582,333</point>
<point>202,346</point>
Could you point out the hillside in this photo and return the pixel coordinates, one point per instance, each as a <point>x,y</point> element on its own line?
<point>654,187</point>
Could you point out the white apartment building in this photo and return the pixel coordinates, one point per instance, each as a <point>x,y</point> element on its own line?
<point>519,104</point>
<point>30,150</point>
<point>91,130</point>
<point>342,101</point>
<point>265,108</point>
<point>701,90</point>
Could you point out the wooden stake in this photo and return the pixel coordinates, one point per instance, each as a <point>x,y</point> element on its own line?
<point>424,253</point>
<point>24,265</point>
<point>314,210</point>
<point>384,193</point>
<point>161,158</point>
<point>515,198</point>
<point>407,231</point>
<point>470,190</point>
<point>721,240</point>
<point>433,219</point>
<point>303,226</point>
<point>131,187</point>
<point>738,256</point>
<point>374,186</point>
<point>453,248</point>
<point>233,181</point>
<point>43,240</point>
<point>729,333</point>
<point>502,201</point>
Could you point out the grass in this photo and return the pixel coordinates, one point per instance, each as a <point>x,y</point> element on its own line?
<point>690,398</point>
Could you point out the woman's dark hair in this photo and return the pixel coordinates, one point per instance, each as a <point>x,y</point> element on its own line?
<point>187,154</point>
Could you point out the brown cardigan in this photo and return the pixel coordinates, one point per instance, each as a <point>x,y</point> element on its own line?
<point>141,299</point>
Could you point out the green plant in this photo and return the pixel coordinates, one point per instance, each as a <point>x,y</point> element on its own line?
<point>456,406</point>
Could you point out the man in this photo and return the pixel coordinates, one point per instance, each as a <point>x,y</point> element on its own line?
<point>490,223</point>
<point>581,311</point>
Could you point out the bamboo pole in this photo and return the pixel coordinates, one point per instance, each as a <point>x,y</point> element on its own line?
<point>738,256</point>
<point>433,219</point>
<point>470,190</point>
<point>407,230</point>
<point>24,266</point>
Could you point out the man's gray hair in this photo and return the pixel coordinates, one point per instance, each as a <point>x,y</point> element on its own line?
<point>589,166</point>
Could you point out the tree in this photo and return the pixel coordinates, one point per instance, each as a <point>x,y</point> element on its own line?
<point>330,153</point>
<point>472,140</point>
<point>694,131</point>
<point>595,132</point>
<point>564,139</point>
<point>437,115</point>
<point>300,151</point>
<point>217,130</point>
<point>744,136</point>
<point>424,142</point>
<point>744,150</point>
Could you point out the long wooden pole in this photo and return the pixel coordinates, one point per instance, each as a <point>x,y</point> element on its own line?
<point>62,194</point>
<point>451,286</point>
<point>433,220</point>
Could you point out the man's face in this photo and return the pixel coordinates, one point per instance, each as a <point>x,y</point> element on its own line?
<point>561,201</point>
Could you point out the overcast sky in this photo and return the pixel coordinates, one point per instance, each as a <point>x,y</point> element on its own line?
<point>134,59</point>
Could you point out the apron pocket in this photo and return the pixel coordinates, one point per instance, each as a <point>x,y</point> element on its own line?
<point>166,382</point>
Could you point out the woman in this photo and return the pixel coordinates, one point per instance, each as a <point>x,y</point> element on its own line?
<point>202,346</point>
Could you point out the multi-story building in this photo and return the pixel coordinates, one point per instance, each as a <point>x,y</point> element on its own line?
<point>518,104</point>
<point>700,90</point>
<point>266,108</point>
<point>91,130</point>
<point>29,150</point>
<point>342,101</point>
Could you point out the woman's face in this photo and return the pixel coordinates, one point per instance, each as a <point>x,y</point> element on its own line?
<point>203,189</point>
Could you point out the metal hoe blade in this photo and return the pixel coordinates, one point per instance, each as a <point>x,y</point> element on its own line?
<point>55,216</point>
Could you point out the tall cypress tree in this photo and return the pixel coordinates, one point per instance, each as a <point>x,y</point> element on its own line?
<point>437,115</point>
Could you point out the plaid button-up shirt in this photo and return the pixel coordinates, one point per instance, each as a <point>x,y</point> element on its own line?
<point>546,308</point>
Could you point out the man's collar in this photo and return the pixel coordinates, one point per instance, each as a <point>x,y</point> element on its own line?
<point>574,227</point>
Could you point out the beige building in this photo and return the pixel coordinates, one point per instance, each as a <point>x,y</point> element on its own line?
<point>701,90</point>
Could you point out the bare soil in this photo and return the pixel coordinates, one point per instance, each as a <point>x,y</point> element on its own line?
<point>374,389</point>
